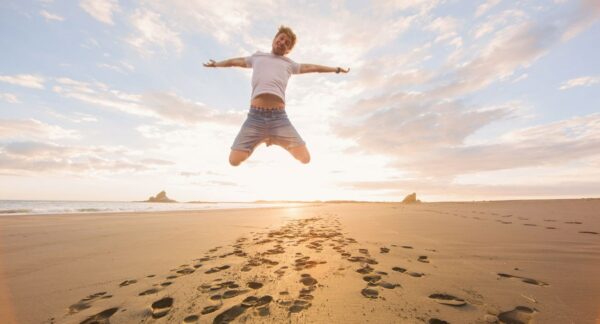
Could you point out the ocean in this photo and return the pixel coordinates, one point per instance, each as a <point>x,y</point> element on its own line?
<point>43,207</point>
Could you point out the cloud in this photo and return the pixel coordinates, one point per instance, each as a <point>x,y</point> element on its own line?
<point>512,48</point>
<point>51,16</point>
<point>493,22</point>
<point>485,7</point>
<point>587,13</point>
<point>9,97</point>
<point>237,24</point>
<point>24,80</point>
<point>426,132</point>
<point>409,125</point>
<point>551,144</point>
<point>421,6</point>
<point>165,106</point>
<point>225,21</point>
<point>585,81</point>
<point>121,67</point>
<point>152,32</point>
<point>74,117</point>
<point>25,129</point>
<point>446,28</point>
<point>34,157</point>
<point>101,10</point>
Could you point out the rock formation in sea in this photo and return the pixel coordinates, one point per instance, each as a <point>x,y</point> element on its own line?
<point>412,198</point>
<point>160,197</point>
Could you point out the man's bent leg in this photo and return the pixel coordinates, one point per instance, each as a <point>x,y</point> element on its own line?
<point>236,157</point>
<point>300,153</point>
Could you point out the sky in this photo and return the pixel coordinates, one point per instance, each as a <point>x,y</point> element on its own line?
<point>453,100</point>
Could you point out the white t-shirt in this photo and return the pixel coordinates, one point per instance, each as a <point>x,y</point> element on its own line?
<point>270,73</point>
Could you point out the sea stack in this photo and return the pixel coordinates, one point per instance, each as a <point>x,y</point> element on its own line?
<point>412,198</point>
<point>160,197</point>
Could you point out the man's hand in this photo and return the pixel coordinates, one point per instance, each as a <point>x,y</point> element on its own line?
<point>342,70</point>
<point>211,63</point>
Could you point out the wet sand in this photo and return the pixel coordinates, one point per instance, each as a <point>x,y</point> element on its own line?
<point>475,262</point>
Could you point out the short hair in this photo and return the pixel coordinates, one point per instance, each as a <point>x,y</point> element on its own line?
<point>288,31</point>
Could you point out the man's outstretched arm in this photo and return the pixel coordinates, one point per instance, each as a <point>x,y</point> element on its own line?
<point>312,68</point>
<point>238,61</point>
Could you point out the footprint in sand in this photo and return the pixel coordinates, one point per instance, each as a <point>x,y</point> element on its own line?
<point>372,279</point>
<point>577,223</point>
<point>127,283</point>
<point>446,299</point>
<point>148,292</point>
<point>370,293</point>
<point>388,285</point>
<point>407,247</point>
<point>298,306</point>
<point>384,250</point>
<point>217,269</point>
<point>588,232</point>
<point>550,227</point>
<point>102,317</point>
<point>230,314</point>
<point>254,285</point>
<point>161,307</point>
<point>364,270</point>
<point>210,309</point>
<point>436,321</point>
<point>528,224</point>
<point>410,273</point>
<point>524,279</point>
<point>186,271</point>
<point>423,258</point>
<point>519,315</point>
<point>191,319</point>
<point>86,302</point>
<point>307,280</point>
<point>233,293</point>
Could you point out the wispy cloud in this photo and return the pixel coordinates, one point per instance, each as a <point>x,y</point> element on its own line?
<point>587,13</point>
<point>27,129</point>
<point>496,21</point>
<point>24,80</point>
<point>165,106</point>
<point>31,158</point>
<point>101,10</point>
<point>421,6</point>
<point>585,81</point>
<point>74,117</point>
<point>121,67</point>
<point>485,7</point>
<point>50,16</point>
<point>9,97</point>
<point>152,32</point>
<point>446,29</point>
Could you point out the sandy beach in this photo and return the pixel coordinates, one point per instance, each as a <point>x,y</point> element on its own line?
<point>471,262</point>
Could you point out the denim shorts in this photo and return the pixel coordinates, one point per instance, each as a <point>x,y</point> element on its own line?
<point>270,126</point>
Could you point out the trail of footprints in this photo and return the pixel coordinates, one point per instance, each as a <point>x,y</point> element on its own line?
<point>240,284</point>
<point>507,220</point>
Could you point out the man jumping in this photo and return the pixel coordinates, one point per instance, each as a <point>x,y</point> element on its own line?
<point>267,121</point>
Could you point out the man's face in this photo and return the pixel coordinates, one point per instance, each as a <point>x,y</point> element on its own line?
<point>281,44</point>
